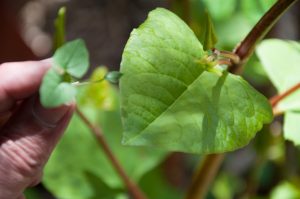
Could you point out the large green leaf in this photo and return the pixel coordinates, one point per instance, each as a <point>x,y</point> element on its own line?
<point>168,101</point>
<point>72,58</point>
<point>281,61</point>
<point>78,162</point>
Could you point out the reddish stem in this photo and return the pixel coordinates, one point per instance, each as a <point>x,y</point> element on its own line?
<point>245,49</point>
<point>204,175</point>
<point>276,99</point>
<point>133,189</point>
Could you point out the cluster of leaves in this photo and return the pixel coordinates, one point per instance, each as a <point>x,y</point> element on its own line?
<point>82,170</point>
<point>169,99</point>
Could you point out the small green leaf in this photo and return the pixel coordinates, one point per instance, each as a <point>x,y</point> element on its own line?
<point>209,34</point>
<point>69,60</point>
<point>59,35</point>
<point>72,58</point>
<point>168,100</point>
<point>54,91</point>
<point>113,76</point>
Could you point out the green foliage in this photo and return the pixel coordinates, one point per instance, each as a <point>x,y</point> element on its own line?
<point>291,126</point>
<point>220,9</point>
<point>59,35</point>
<point>70,60</point>
<point>253,9</point>
<point>285,190</point>
<point>170,101</point>
<point>32,193</point>
<point>113,77</point>
<point>79,169</point>
<point>154,181</point>
<point>209,36</point>
<point>55,91</point>
<point>98,93</point>
<point>281,61</point>
<point>200,23</point>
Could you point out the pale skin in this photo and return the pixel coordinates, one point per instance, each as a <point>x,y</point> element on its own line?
<point>28,132</point>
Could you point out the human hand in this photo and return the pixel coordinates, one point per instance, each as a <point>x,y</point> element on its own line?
<point>28,132</point>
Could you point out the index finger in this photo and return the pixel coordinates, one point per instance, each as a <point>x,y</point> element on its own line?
<point>20,80</point>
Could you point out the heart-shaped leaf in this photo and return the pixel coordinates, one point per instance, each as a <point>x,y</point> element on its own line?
<point>54,91</point>
<point>168,100</point>
<point>72,58</point>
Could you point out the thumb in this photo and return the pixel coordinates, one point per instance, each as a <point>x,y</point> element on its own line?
<point>26,143</point>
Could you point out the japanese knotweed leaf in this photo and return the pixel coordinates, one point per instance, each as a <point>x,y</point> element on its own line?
<point>72,58</point>
<point>280,60</point>
<point>168,100</point>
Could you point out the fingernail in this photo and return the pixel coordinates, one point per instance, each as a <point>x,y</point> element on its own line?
<point>49,117</point>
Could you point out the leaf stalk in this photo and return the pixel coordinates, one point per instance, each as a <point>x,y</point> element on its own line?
<point>245,48</point>
<point>133,189</point>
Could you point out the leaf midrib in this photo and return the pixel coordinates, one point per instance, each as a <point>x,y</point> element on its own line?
<point>171,105</point>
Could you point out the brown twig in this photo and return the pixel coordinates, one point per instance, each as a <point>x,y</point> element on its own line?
<point>204,175</point>
<point>133,189</point>
<point>245,49</point>
<point>276,99</point>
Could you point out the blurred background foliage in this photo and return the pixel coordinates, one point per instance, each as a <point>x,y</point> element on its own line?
<point>268,167</point>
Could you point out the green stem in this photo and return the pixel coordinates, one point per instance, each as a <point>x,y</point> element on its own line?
<point>245,49</point>
<point>133,189</point>
<point>78,83</point>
